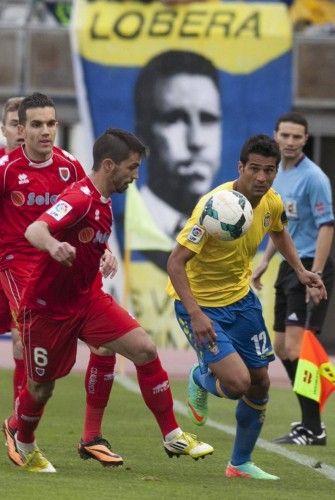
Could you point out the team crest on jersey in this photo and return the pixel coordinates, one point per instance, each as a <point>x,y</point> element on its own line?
<point>196,234</point>
<point>97,214</point>
<point>267,219</point>
<point>86,235</point>
<point>59,210</point>
<point>23,179</point>
<point>64,173</point>
<point>40,371</point>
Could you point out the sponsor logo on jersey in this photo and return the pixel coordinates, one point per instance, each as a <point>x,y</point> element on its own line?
<point>23,179</point>
<point>196,234</point>
<point>101,237</point>
<point>86,234</point>
<point>267,219</point>
<point>41,199</point>
<point>64,173</point>
<point>59,210</point>
<point>17,198</point>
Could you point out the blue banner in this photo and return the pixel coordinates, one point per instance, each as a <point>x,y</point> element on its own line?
<point>194,82</point>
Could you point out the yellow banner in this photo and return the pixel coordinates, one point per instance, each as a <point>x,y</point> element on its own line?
<point>238,37</point>
<point>152,307</point>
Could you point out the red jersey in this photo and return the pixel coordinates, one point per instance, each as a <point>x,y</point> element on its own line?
<point>83,218</point>
<point>27,189</point>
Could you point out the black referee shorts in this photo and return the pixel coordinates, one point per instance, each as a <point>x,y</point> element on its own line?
<point>290,301</point>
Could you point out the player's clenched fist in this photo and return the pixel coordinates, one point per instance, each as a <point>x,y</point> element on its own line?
<point>108,264</point>
<point>63,252</point>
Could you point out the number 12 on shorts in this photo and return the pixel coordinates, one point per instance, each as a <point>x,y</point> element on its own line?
<point>260,343</point>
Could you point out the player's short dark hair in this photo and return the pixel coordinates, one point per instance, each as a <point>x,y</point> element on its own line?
<point>260,144</point>
<point>293,117</point>
<point>116,144</point>
<point>12,104</point>
<point>166,65</point>
<point>35,100</point>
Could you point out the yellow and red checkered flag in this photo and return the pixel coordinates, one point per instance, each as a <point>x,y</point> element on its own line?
<point>315,375</point>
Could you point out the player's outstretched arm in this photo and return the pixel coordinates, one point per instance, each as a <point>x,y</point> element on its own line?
<point>39,236</point>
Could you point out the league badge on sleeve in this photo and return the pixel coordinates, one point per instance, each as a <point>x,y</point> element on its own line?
<point>196,234</point>
<point>59,210</point>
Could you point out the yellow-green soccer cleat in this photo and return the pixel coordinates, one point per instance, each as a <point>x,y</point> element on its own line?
<point>197,401</point>
<point>36,462</point>
<point>248,470</point>
<point>187,444</point>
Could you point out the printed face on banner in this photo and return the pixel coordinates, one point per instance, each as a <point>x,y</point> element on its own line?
<point>184,137</point>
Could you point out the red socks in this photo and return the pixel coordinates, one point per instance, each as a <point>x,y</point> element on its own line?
<point>98,383</point>
<point>19,377</point>
<point>29,413</point>
<point>155,387</point>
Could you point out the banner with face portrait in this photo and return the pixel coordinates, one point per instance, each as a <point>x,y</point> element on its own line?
<point>193,82</point>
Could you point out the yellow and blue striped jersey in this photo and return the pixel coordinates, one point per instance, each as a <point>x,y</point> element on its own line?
<point>219,274</point>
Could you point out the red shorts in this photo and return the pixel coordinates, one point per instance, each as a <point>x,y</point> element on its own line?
<point>13,282</point>
<point>5,314</point>
<point>51,345</point>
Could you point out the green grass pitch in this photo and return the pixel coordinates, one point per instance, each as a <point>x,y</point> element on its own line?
<point>148,473</point>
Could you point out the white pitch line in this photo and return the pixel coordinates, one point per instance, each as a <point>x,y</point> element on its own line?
<point>324,469</point>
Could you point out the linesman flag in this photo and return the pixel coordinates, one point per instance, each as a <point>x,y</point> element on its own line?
<point>315,375</point>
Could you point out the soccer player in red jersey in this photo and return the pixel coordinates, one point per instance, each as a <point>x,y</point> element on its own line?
<point>13,135</point>
<point>31,177</point>
<point>63,301</point>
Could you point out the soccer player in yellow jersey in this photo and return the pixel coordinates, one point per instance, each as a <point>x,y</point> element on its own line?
<point>218,311</point>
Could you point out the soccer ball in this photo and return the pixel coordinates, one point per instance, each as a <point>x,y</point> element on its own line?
<point>227,215</point>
